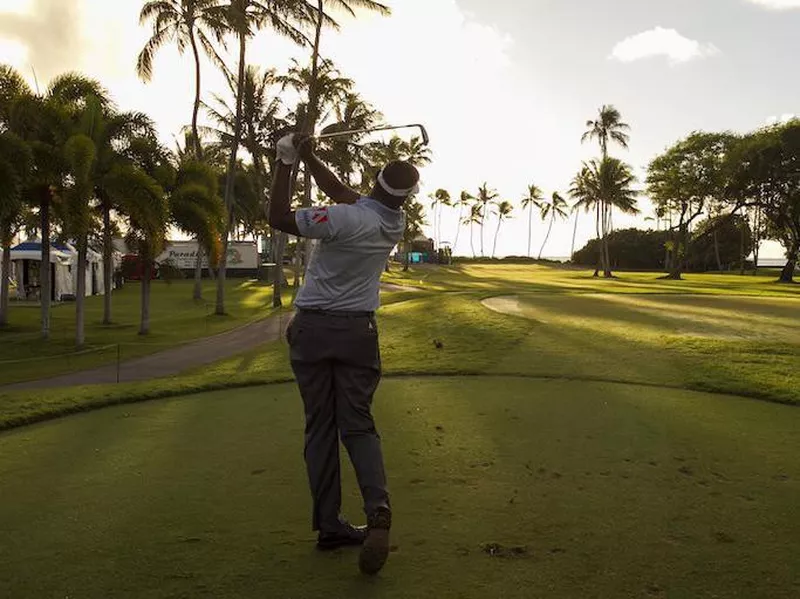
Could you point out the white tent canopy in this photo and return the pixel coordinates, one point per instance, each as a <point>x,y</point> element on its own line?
<point>26,259</point>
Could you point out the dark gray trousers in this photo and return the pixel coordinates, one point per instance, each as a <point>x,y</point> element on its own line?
<point>336,362</point>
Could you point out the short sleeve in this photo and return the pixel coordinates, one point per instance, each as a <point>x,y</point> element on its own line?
<point>326,222</point>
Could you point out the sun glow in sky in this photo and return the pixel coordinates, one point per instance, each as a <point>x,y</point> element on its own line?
<point>505,88</point>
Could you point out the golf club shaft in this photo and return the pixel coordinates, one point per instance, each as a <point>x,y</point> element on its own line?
<point>422,129</point>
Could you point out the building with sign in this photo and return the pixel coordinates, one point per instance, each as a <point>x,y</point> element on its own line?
<point>242,261</point>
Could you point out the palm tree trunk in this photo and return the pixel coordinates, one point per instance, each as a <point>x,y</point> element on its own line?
<point>108,263</point>
<point>716,251</point>
<point>44,274</point>
<point>601,255</point>
<point>197,293</point>
<point>606,230</point>
<point>546,237</point>
<point>472,239</point>
<point>311,123</point>
<point>198,148</point>
<point>80,292</point>
<point>458,228</point>
<point>574,235</point>
<point>530,228</point>
<point>237,136</point>
<point>5,277</point>
<point>496,235</point>
<point>439,231</point>
<point>483,221</point>
<point>147,271</point>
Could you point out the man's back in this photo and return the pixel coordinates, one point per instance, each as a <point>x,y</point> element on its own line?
<point>355,241</point>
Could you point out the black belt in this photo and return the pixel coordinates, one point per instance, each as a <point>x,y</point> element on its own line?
<point>337,313</point>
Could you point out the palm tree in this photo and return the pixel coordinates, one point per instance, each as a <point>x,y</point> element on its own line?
<point>607,127</point>
<point>118,138</point>
<point>464,200</point>
<point>574,232</point>
<point>441,197</point>
<point>16,161</point>
<point>475,218</point>
<point>183,22</point>
<point>347,154</point>
<point>148,215</point>
<point>555,208</point>
<point>529,202</point>
<point>196,209</point>
<point>485,197</point>
<point>504,210</point>
<point>262,118</point>
<point>80,153</point>
<point>415,219</point>
<point>600,184</point>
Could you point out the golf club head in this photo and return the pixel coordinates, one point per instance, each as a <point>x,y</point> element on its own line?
<point>425,139</point>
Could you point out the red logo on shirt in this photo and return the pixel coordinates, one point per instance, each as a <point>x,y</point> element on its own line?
<point>320,216</point>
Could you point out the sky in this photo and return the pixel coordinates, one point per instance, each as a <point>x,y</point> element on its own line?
<point>504,87</point>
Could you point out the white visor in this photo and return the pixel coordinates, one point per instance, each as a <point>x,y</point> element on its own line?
<point>399,193</point>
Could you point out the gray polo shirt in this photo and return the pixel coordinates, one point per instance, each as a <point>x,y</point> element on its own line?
<point>345,269</point>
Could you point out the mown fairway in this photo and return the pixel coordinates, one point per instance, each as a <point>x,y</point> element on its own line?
<point>558,445</point>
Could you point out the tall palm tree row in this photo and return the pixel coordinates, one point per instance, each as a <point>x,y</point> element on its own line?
<point>45,121</point>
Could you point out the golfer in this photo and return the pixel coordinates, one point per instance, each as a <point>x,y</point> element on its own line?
<point>333,337</point>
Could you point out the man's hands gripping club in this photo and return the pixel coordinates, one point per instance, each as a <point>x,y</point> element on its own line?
<point>289,149</point>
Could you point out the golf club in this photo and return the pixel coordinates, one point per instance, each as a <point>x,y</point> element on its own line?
<point>423,131</point>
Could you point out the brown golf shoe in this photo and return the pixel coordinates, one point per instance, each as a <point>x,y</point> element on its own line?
<point>375,550</point>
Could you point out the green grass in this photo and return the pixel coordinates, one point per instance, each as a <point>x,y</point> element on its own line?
<point>565,424</point>
<point>745,344</point>
<point>538,278</point>
<point>590,490</point>
<point>175,319</point>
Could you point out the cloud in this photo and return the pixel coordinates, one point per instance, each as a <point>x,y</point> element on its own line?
<point>662,42</point>
<point>777,4</point>
<point>782,119</point>
<point>46,29</point>
<point>14,53</point>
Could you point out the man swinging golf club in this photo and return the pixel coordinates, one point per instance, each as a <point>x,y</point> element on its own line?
<point>333,337</point>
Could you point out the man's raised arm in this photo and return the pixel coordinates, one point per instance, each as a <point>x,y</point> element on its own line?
<point>281,216</point>
<point>328,182</point>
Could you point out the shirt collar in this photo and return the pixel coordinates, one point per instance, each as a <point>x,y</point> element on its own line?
<point>378,206</point>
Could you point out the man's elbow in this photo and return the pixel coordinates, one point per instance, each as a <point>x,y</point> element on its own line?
<point>283,222</point>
